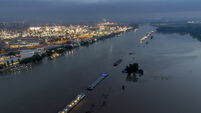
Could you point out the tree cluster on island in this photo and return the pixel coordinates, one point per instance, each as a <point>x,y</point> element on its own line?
<point>133,69</point>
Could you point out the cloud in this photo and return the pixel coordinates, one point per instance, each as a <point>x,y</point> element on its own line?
<point>93,10</point>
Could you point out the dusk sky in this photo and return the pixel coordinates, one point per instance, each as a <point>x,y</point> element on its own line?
<point>96,10</point>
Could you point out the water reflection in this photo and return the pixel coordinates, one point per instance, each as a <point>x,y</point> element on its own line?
<point>133,78</point>
<point>70,52</point>
<point>162,77</point>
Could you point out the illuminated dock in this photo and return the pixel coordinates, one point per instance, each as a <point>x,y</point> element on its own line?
<point>94,84</point>
<point>75,102</point>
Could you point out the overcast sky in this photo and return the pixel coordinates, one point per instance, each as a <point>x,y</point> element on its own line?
<point>96,10</point>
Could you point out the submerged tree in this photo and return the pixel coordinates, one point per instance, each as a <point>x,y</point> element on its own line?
<point>132,68</point>
<point>135,67</point>
<point>141,72</point>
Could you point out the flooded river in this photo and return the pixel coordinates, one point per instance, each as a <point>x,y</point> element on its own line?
<point>170,84</point>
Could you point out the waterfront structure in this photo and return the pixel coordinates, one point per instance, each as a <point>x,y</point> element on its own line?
<point>26,53</point>
<point>40,50</point>
<point>52,41</point>
<point>6,61</point>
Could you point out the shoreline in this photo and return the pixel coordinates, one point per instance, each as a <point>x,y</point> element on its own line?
<point>62,48</point>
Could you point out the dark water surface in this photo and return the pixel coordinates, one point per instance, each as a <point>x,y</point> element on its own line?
<point>171,82</point>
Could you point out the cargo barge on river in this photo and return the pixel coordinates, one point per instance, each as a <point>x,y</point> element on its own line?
<point>94,84</point>
<point>75,102</point>
<point>117,62</point>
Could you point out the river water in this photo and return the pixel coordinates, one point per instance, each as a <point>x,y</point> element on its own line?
<point>170,84</point>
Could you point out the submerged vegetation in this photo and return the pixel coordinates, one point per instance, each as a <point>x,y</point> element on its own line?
<point>133,69</point>
<point>133,73</point>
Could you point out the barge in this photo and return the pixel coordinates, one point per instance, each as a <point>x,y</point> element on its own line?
<point>94,84</point>
<point>117,62</point>
<point>73,103</point>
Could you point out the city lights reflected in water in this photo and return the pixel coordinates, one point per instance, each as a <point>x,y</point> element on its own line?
<point>70,52</point>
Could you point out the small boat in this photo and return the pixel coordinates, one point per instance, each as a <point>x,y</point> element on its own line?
<point>73,103</point>
<point>117,62</point>
<point>130,53</point>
